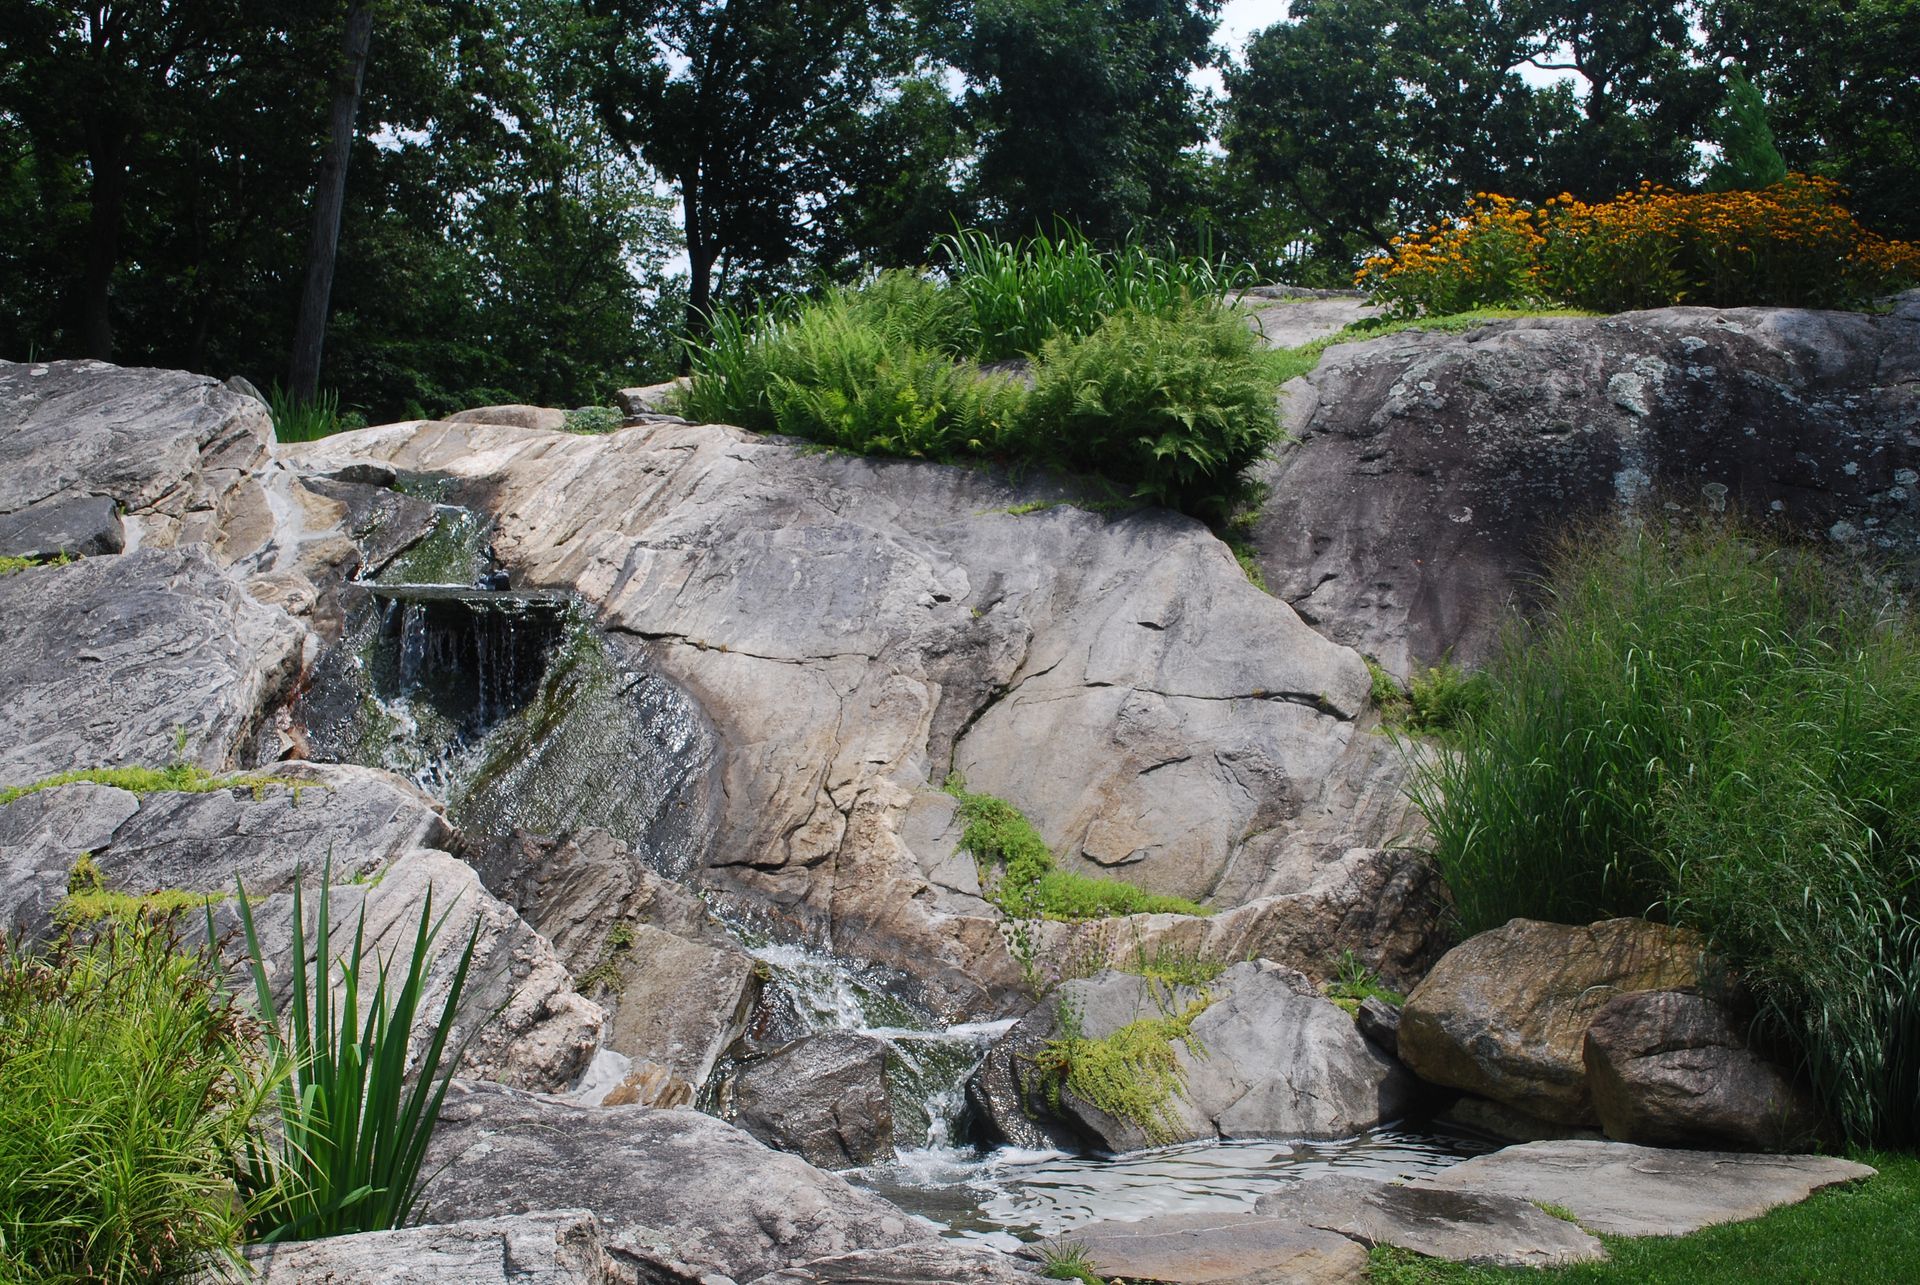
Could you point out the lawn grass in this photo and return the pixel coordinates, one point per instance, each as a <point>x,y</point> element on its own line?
<point>1864,1233</point>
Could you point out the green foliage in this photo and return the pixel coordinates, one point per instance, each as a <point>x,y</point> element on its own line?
<point>1132,1074</point>
<point>594,419</point>
<point>355,1113</point>
<point>605,975</point>
<point>1748,157</point>
<point>1357,983</point>
<point>10,564</point>
<point>1862,1233</point>
<point>1017,871</point>
<point>1023,293</point>
<point>1174,966</point>
<point>1283,364</point>
<point>177,778</point>
<point>1719,733</point>
<point>1066,1260</point>
<point>1177,406</point>
<point>299,420</point>
<point>127,1085</point>
<point>1442,701</point>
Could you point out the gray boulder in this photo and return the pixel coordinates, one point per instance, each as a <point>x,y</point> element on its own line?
<point>1616,1189</point>
<point>1460,1226</point>
<point>545,419</point>
<point>1670,1068</point>
<point>678,1184</point>
<point>1505,1014</point>
<point>561,1247</point>
<point>136,660</point>
<point>1268,1057</point>
<point>77,526</point>
<point>1429,472</point>
<point>823,1098</point>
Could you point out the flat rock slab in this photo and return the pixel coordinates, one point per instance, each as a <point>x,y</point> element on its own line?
<point>1481,1228</point>
<point>1617,1189</point>
<point>1221,1249</point>
<point>561,1247</point>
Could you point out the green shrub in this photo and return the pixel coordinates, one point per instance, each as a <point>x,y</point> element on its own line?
<point>127,1085</point>
<point>593,420</point>
<point>1174,406</point>
<point>848,371</point>
<point>355,1116</point>
<point>1356,984</point>
<point>1133,1074</point>
<point>1713,732</point>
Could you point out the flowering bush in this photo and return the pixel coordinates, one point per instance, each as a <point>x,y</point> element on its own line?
<point>1793,244</point>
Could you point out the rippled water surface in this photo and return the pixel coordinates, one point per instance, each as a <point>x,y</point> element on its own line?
<point>1009,1196</point>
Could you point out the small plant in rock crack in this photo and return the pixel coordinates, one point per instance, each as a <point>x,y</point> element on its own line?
<point>1066,1260</point>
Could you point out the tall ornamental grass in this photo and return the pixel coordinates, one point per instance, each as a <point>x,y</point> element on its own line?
<point>355,1115</point>
<point>1020,294</point>
<point>1706,730</point>
<point>128,1082</point>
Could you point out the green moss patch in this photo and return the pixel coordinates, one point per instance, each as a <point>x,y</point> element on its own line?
<point>179,778</point>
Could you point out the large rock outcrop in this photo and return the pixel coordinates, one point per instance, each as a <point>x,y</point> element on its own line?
<point>1505,1014</point>
<point>1431,472</point>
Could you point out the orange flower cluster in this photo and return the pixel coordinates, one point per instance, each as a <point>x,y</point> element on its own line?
<point>1793,243</point>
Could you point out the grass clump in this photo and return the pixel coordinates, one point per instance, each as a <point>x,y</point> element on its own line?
<point>1863,1233</point>
<point>1018,295</point>
<point>9,564</point>
<point>298,420</point>
<point>1134,1073</point>
<point>1724,735</point>
<point>90,902</point>
<point>177,778</point>
<point>128,1082</point>
<point>1066,1260</point>
<point>1018,874</point>
<point>1355,984</point>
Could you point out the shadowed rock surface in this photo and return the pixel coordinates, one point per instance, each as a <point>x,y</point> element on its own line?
<point>1432,470</point>
<point>1669,1068</point>
<point>1505,1014</point>
<point>1616,1189</point>
<point>561,1247</point>
<point>1460,1226</point>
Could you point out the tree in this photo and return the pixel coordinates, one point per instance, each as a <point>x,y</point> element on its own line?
<point>310,330</point>
<point>1087,112</point>
<point>1748,157</point>
<point>747,107</point>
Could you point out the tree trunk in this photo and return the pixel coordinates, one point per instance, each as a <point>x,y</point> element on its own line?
<point>106,199</point>
<point>701,256</point>
<point>329,194</point>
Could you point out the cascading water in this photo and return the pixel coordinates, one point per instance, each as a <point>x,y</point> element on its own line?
<point>508,705</point>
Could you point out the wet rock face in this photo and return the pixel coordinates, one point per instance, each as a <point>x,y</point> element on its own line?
<point>1670,1068</point>
<point>856,629</point>
<point>1505,1014</point>
<point>1432,471</point>
<point>1268,1058</point>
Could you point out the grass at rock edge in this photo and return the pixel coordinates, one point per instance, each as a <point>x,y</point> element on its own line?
<point>1863,1233</point>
